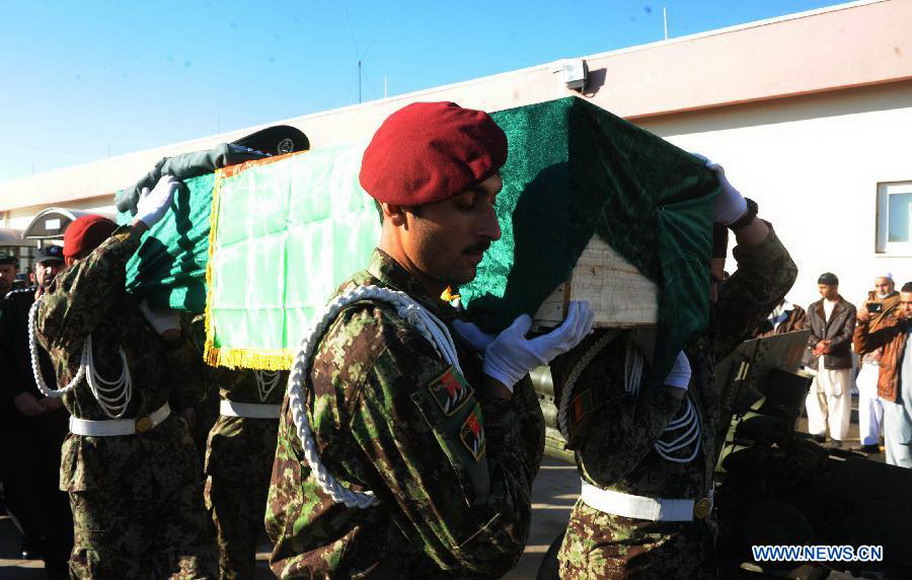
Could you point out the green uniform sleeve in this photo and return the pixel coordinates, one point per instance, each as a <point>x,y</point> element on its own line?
<point>624,432</point>
<point>83,293</point>
<point>610,430</point>
<point>765,274</point>
<point>188,372</point>
<point>458,472</point>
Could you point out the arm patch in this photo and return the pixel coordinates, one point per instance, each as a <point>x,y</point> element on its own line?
<point>450,391</point>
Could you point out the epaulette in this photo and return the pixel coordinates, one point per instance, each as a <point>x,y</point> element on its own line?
<point>30,290</point>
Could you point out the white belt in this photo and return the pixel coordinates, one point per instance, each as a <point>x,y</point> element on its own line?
<point>249,410</point>
<point>644,508</point>
<point>116,427</point>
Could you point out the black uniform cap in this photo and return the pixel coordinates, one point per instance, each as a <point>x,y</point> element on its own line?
<point>7,259</point>
<point>49,254</point>
<point>829,279</point>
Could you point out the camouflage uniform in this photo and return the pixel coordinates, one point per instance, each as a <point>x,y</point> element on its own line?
<point>452,471</point>
<point>136,499</point>
<point>613,435</point>
<point>239,458</point>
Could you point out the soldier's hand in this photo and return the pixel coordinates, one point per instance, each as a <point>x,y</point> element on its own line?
<point>730,204</point>
<point>50,403</point>
<point>510,356</point>
<point>27,404</point>
<point>153,204</point>
<point>678,377</point>
<point>470,333</point>
<point>165,321</point>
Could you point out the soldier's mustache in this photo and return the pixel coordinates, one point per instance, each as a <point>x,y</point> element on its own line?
<point>478,247</point>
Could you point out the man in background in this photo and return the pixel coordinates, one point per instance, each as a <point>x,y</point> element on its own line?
<point>785,317</point>
<point>881,303</point>
<point>8,268</point>
<point>37,426</point>
<point>890,337</point>
<point>829,402</point>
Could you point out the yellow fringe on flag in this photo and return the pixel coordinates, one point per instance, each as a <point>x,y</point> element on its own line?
<point>210,352</point>
<point>249,358</point>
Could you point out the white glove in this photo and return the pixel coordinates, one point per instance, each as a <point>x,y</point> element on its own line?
<point>679,375</point>
<point>730,204</point>
<point>161,319</point>
<point>153,204</point>
<point>478,339</point>
<point>510,355</point>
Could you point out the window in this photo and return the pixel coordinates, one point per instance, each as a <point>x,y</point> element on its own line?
<point>894,218</point>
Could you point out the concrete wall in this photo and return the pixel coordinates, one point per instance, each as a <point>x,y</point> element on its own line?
<point>813,164</point>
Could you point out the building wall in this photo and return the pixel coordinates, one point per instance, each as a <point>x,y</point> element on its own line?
<point>848,45</point>
<point>812,164</point>
<point>807,113</point>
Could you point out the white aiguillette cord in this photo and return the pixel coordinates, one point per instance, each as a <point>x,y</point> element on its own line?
<point>113,396</point>
<point>688,419</point>
<point>266,383</point>
<point>427,325</point>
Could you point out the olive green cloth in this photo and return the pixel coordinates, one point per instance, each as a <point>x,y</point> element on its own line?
<point>169,269</point>
<point>575,169</point>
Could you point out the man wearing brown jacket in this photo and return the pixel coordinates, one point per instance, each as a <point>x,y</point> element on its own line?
<point>891,335</point>
<point>831,321</point>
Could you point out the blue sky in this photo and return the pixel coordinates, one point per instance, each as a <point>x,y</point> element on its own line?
<point>85,80</point>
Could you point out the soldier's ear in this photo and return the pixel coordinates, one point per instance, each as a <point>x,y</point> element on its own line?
<point>394,213</point>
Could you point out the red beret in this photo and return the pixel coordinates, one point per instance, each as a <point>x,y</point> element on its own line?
<point>86,233</point>
<point>428,152</point>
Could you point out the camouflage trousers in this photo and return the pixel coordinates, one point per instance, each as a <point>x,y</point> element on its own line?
<point>145,517</point>
<point>600,545</point>
<point>239,462</point>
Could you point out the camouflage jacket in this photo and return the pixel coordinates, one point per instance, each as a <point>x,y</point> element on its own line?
<point>238,385</point>
<point>89,298</point>
<point>241,386</point>
<point>452,470</point>
<point>613,433</point>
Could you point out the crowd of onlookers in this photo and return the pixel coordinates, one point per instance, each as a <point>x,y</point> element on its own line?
<point>856,348</point>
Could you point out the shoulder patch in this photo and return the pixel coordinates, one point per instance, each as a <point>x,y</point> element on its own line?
<point>450,390</point>
<point>581,405</point>
<point>472,433</point>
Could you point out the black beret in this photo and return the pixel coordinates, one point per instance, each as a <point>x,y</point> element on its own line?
<point>829,279</point>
